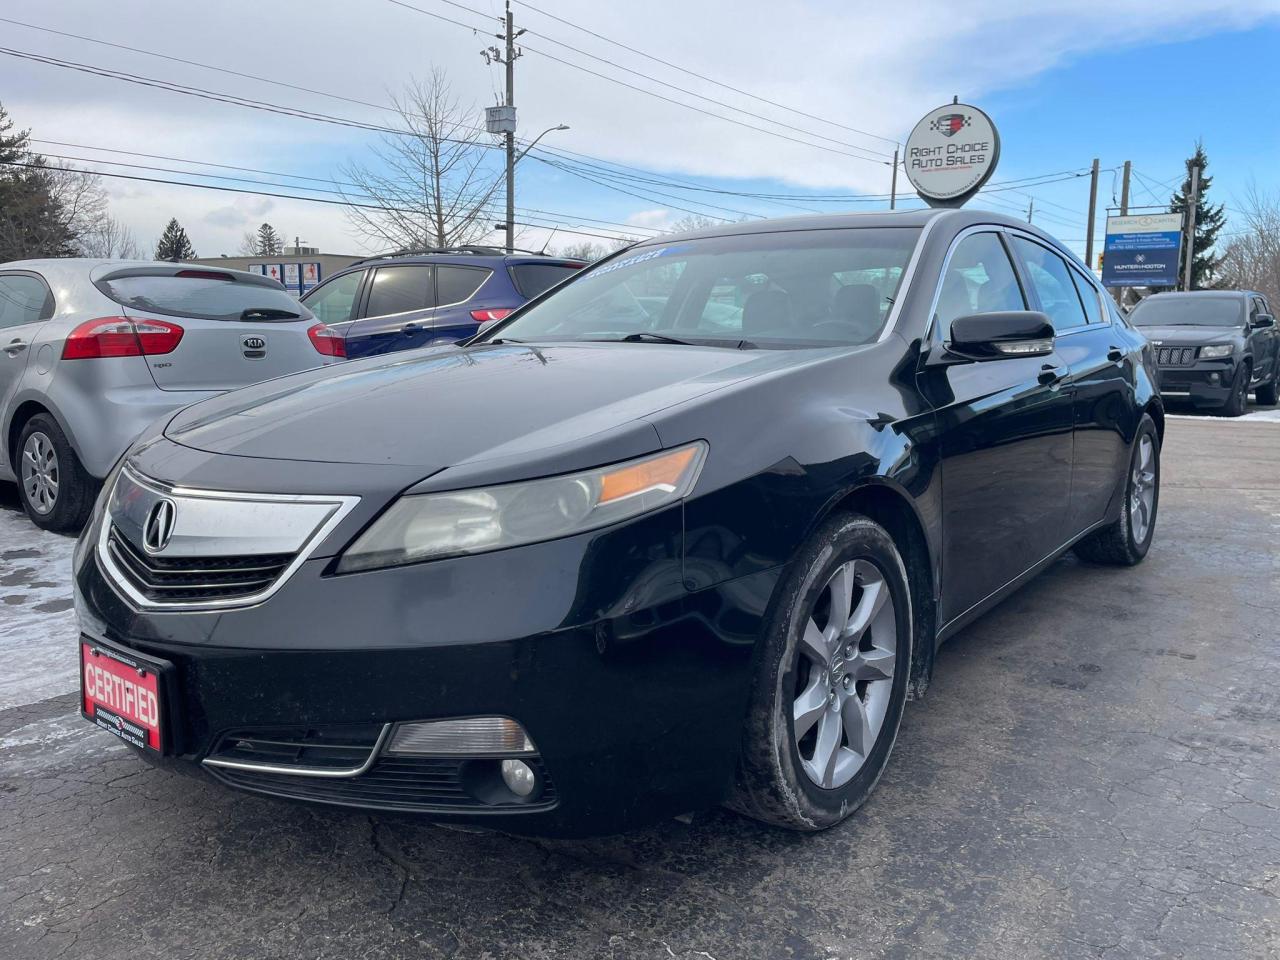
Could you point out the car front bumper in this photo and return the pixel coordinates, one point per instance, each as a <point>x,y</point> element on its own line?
<point>1207,382</point>
<point>631,685</point>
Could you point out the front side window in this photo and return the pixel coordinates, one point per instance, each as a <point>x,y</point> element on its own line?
<point>809,288</point>
<point>333,302</point>
<point>1051,278</point>
<point>979,279</point>
<point>400,289</point>
<point>22,300</point>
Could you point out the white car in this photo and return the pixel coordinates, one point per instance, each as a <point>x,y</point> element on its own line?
<point>94,351</point>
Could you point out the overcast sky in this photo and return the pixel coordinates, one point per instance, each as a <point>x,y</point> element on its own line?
<point>1065,81</point>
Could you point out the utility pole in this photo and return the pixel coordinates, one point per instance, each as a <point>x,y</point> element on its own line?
<point>1191,225</point>
<point>1031,209</point>
<point>504,120</point>
<point>1121,292</point>
<point>1093,212</point>
<point>893,182</point>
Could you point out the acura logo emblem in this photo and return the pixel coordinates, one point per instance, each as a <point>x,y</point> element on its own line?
<point>159,527</point>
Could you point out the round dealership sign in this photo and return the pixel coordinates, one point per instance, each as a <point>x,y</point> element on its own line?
<point>951,153</point>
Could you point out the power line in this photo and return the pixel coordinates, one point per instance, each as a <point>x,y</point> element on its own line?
<point>699,76</point>
<point>284,196</point>
<point>664,83</point>
<point>659,96</point>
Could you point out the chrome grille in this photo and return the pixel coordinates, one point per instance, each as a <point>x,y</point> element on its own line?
<point>183,579</point>
<point>1176,356</point>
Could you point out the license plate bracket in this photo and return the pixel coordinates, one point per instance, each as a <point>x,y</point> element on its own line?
<point>126,693</point>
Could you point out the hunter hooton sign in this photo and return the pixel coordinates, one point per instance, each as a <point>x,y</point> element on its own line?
<point>951,153</point>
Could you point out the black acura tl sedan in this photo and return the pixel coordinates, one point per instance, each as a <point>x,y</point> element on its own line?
<point>685,530</point>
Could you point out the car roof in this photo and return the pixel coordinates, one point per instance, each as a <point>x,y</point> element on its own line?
<point>464,256</point>
<point>1204,294</point>
<point>87,267</point>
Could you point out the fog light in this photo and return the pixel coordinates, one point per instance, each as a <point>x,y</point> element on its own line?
<point>473,737</point>
<point>519,777</point>
<point>1215,378</point>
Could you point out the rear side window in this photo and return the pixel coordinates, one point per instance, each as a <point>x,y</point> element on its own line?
<point>456,284</point>
<point>400,290</point>
<point>532,279</point>
<point>1089,297</point>
<point>1051,278</point>
<point>207,295</point>
<point>23,300</point>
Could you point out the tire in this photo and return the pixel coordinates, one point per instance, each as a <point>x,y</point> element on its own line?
<point>1268,394</point>
<point>55,490</point>
<point>779,774</point>
<point>1125,542</point>
<point>1238,399</point>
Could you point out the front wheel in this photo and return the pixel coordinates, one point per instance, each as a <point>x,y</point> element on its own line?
<point>1126,541</point>
<point>1268,394</point>
<point>1238,398</point>
<point>831,680</point>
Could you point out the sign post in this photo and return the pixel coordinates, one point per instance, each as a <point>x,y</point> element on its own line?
<point>951,153</point>
<point>1142,250</point>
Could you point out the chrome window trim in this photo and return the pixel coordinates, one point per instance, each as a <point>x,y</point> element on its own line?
<point>342,773</point>
<point>343,505</point>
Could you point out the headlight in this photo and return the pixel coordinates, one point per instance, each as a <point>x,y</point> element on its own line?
<point>433,525</point>
<point>1216,350</point>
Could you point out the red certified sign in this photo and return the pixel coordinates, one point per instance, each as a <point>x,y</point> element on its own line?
<point>120,697</point>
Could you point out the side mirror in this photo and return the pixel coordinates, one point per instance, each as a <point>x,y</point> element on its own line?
<point>992,336</point>
<point>1262,321</point>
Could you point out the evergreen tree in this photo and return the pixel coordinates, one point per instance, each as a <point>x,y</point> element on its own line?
<point>1209,221</point>
<point>269,242</point>
<point>33,220</point>
<point>174,244</point>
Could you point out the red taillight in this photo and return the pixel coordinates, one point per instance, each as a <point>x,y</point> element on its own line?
<point>204,275</point>
<point>120,337</point>
<point>497,313</point>
<point>327,341</point>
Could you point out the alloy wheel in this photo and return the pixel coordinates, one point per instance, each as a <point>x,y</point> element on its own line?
<point>1142,489</point>
<point>845,673</point>
<point>40,473</point>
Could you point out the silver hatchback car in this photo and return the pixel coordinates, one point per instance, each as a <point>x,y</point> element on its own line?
<point>93,351</point>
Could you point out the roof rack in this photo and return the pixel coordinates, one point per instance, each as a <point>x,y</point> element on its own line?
<point>466,250</point>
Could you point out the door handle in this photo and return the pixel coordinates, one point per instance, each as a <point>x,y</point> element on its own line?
<point>15,347</point>
<point>1115,354</point>
<point>1050,375</point>
<point>411,327</point>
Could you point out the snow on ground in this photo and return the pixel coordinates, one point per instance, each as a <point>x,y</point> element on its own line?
<point>37,624</point>
<point>1255,415</point>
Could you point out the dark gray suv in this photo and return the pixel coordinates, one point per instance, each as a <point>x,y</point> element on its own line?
<point>1213,346</point>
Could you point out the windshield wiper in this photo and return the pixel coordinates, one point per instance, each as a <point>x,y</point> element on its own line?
<point>648,335</point>
<point>268,313</point>
<point>498,340</point>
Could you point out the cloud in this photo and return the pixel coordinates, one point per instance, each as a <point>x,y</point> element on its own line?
<point>862,66</point>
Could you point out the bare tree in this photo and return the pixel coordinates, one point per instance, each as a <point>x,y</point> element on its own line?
<point>591,251</point>
<point>431,184</point>
<point>109,239</point>
<point>695,221</point>
<point>1251,260</point>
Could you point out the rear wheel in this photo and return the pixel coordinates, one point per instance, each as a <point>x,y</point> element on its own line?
<point>1238,399</point>
<point>831,681</point>
<point>1126,541</point>
<point>56,491</point>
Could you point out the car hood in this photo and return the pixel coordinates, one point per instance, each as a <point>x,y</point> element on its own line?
<point>1190,336</point>
<point>449,406</point>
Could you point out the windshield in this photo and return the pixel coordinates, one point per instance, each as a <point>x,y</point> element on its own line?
<point>1189,312</point>
<point>786,289</point>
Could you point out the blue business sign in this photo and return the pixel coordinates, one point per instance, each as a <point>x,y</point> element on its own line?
<point>1142,251</point>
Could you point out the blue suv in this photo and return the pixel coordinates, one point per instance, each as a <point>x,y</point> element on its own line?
<point>406,300</point>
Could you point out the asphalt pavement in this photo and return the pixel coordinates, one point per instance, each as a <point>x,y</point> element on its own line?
<point>1095,772</point>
